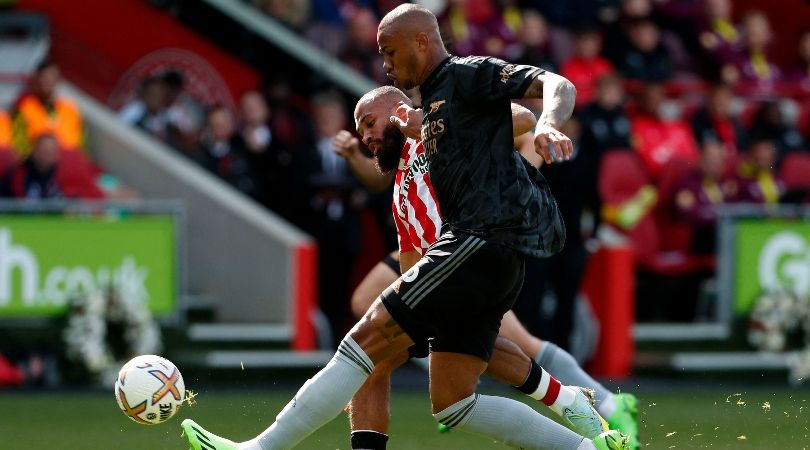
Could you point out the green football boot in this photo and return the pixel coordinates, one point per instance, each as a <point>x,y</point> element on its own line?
<point>581,417</point>
<point>611,440</point>
<point>205,440</point>
<point>625,418</point>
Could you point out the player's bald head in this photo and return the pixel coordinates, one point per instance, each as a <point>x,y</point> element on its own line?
<point>383,94</point>
<point>409,40</point>
<point>408,19</point>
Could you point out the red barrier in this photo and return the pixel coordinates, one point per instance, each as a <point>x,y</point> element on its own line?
<point>609,284</point>
<point>305,296</point>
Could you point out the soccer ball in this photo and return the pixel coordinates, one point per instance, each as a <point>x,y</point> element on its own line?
<point>149,389</point>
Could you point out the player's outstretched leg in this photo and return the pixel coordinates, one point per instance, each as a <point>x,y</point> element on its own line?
<point>200,439</point>
<point>573,404</point>
<point>618,409</point>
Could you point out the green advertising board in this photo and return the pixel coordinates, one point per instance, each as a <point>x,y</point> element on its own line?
<point>771,255</point>
<point>45,260</point>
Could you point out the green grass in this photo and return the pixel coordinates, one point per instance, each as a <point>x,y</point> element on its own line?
<point>680,420</point>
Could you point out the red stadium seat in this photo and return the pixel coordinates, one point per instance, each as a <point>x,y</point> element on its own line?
<point>621,175</point>
<point>660,246</point>
<point>7,159</point>
<point>795,171</point>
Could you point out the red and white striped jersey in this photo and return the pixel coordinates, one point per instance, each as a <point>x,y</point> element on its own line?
<point>415,209</point>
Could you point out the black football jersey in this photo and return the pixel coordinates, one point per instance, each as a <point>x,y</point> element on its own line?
<point>483,186</point>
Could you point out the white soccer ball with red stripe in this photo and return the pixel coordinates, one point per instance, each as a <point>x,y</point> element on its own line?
<point>149,389</point>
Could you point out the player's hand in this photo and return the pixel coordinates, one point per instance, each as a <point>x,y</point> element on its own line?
<point>345,144</point>
<point>552,144</point>
<point>408,120</point>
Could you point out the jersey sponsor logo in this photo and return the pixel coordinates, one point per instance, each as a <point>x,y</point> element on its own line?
<point>434,106</point>
<point>418,167</point>
<point>430,132</point>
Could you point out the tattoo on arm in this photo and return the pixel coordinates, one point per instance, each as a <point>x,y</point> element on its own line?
<point>558,96</point>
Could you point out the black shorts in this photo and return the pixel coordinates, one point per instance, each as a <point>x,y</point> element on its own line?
<point>455,296</point>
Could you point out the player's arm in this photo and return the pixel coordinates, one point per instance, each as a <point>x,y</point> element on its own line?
<point>408,259</point>
<point>491,80</point>
<point>348,147</point>
<point>558,96</point>
<point>523,120</point>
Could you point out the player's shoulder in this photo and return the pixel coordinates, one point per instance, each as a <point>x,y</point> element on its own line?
<point>475,61</point>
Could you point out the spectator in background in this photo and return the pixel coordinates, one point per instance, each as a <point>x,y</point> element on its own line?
<point>757,180</point>
<point>646,57</point>
<point>360,50</point>
<point>255,127</point>
<point>334,202</point>
<point>290,120</point>
<point>292,13</point>
<point>697,196</point>
<point>801,73</point>
<point>41,110</point>
<point>535,43</point>
<point>148,112</point>
<point>770,123</point>
<point>715,121</point>
<point>605,126</point>
<point>719,38</point>
<point>185,114</point>
<point>586,66</point>
<point>41,175</point>
<point>658,138</point>
<point>274,162</point>
<point>223,152</point>
<point>605,122</point>
<point>616,29</point>
<point>479,27</point>
<point>752,62</point>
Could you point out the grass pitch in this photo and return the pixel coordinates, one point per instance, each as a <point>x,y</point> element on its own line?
<point>679,420</point>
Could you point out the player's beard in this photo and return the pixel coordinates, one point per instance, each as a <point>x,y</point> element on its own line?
<point>387,156</point>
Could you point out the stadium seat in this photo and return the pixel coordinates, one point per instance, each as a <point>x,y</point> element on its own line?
<point>621,175</point>
<point>76,175</point>
<point>7,159</point>
<point>660,246</point>
<point>795,173</point>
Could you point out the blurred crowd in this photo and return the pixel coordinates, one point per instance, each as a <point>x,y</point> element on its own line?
<point>681,108</point>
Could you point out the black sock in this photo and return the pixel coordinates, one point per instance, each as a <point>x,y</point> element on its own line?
<point>368,440</point>
<point>532,381</point>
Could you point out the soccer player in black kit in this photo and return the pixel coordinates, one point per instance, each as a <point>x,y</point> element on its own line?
<point>494,215</point>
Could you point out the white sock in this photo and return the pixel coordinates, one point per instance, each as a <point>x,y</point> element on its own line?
<point>567,370</point>
<point>553,393</point>
<point>318,401</point>
<point>511,422</point>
